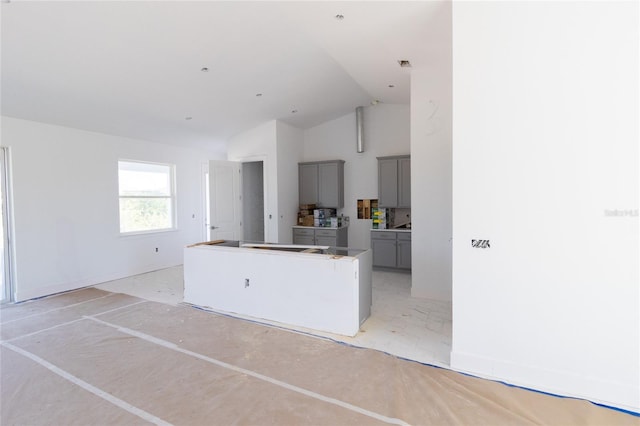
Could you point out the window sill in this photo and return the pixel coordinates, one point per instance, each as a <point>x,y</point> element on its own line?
<point>143,233</point>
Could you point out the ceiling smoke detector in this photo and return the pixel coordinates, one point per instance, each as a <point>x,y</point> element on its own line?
<point>404,63</point>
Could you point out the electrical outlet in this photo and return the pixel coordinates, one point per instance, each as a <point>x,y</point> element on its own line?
<point>156,249</point>
<point>246,282</point>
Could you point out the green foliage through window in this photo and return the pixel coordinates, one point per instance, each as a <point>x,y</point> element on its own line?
<point>146,196</point>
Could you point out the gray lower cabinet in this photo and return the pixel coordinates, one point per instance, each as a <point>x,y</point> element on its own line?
<point>333,237</point>
<point>403,254</point>
<point>303,236</point>
<point>391,249</point>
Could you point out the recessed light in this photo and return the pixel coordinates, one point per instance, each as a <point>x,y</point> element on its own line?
<point>375,102</point>
<point>339,17</point>
<point>404,63</point>
<point>204,69</point>
<point>293,111</point>
<point>188,118</point>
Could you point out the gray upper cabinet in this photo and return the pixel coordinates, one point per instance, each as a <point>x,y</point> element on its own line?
<point>321,183</point>
<point>308,183</point>
<point>404,182</point>
<point>387,182</point>
<point>394,181</point>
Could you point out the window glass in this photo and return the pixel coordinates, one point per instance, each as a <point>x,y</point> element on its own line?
<point>147,196</point>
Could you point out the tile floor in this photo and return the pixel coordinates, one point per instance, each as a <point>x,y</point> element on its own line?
<point>416,329</point>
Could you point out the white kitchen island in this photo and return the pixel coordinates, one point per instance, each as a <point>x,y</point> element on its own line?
<point>323,289</point>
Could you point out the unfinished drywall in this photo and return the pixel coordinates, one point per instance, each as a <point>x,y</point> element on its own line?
<point>65,188</point>
<point>431,166</point>
<point>290,145</point>
<point>386,132</point>
<point>431,182</point>
<point>279,146</point>
<point>546,169</point>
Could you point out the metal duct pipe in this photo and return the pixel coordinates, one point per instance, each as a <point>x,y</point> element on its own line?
<point>359,130</point>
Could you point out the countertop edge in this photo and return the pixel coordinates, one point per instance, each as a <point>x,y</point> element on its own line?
<point>318,227</point>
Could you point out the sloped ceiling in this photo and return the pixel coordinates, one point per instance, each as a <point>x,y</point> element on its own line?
<point>135,69</point>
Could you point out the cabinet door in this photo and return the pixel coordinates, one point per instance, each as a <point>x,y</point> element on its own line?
<point>388,183</point>
<point>384,253</point>
<point>342,237</point>
<point>326,241</point>
<point>404,182</point>
<point>404,254</point>
<point>308,183</point>
<point>330,185</point>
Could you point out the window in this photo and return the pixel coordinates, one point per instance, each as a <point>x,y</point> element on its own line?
<point>147,196</point>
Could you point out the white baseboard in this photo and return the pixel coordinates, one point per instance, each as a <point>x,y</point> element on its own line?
<point>32,293</point>
<point>613,394</point>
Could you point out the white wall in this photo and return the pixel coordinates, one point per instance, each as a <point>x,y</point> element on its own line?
<point>386,132</point>
<point>290,146</point>
<point>65,195</point>
<point>259,144</point>
<point>279,146</point>
<point>545,143</point>
<point>431,177</point>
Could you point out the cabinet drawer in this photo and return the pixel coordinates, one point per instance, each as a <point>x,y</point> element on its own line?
<point>326,233</point>
<point>298,232</point>
<point>404,236</point>
<point>304,240</point>
<point>383,235</point>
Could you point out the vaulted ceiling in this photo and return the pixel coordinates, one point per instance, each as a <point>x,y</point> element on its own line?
<point>198,72</point>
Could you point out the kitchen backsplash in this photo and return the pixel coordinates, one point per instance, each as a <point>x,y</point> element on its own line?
<point>389,218</point>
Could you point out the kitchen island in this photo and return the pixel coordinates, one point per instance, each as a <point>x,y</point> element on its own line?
<point>317,287</point>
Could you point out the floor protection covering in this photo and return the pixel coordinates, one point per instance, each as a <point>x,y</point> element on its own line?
<point>94,357</point>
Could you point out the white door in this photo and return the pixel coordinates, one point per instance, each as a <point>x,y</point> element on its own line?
<point>225,201</point>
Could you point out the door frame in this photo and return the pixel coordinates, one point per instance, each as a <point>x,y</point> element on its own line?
<point>265,193</point>
<point>6,192</point>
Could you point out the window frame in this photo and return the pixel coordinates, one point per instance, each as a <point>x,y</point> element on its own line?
<point>172,198</point>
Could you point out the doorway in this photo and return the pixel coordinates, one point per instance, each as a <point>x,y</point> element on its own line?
<point>253,201</point>
<point>7,290</point>
<point>218,196</point>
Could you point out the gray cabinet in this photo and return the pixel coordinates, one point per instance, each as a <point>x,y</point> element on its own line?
<point>404,182</point>
<point>333,237</point>
<point>304,236</point>
<point>321,183</point>
<point>394,181</point>
<point>403,252</point>
<point>308,183</point>
<point>391,249</point>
